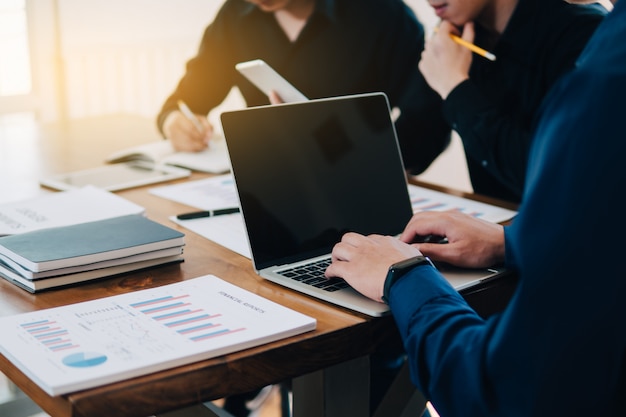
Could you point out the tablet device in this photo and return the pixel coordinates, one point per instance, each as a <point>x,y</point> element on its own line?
<point>116,177</point>
<point>259,73</point>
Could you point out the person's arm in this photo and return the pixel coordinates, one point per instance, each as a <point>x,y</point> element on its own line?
<point>428,311</point>
<point>423,133</point>
<point>481,123</point>
<point>498,136</point>
<point>444,63</point>
<point>208,78</point>
<point>521,362</point>
<point>557,348</point>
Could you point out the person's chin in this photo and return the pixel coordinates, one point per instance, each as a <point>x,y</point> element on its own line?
<point>268,5</point>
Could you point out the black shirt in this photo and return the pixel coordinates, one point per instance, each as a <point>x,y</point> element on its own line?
<point>494,110</point>
<point>346,47</point>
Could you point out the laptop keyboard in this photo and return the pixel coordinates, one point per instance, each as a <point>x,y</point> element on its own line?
<point>313,274</point>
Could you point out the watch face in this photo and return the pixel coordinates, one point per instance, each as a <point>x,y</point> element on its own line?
<point>398,269</point>
<point>409,263</point>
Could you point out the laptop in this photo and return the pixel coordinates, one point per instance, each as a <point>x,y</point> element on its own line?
<point>308,172</point>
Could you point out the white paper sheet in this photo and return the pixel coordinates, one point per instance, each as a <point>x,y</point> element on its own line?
<point>88,344</point>
<point>229,230</point>
<point>206,194</point>
<point>63,208</point>
<point>424,199</point>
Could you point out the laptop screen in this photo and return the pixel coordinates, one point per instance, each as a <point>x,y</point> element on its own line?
<point>308,172</point>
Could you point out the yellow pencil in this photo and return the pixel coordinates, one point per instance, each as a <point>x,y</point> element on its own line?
<point>476,49</point>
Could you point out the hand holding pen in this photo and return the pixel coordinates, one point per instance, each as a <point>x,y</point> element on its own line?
<point>469,45</point>
<point>447,57</point>
<point>187,131</point>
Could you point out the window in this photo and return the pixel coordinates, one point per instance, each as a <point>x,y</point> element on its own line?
<point>15,73</point>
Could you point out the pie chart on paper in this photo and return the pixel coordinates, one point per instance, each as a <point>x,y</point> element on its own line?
<point>84,359</point>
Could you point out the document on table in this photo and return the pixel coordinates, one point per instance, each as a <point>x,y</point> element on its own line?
<point>84,345</point>
<point>425,199</point>
<point>207,194</point>
<point>229,230</point>
<point>82,205</point>
<point>210,194</point>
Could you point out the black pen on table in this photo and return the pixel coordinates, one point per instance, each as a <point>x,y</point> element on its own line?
<point>207,213</point>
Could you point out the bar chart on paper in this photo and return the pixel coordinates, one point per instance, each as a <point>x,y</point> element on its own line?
<point>424,199</point>
<point>180,315</point>
<point>88,344</point>
<point>49,334</point>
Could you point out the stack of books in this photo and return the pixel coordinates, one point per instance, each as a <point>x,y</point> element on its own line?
<point>66,255</point>
<point>59,252</point>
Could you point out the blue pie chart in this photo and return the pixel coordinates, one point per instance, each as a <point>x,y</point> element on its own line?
<point>84,359</point>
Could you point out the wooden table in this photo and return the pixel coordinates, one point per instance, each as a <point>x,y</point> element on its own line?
<point>335,353</point>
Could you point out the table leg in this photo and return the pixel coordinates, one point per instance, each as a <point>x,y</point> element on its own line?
<point>198,410</point>
<point>402,399</point>
<point>339,391</point>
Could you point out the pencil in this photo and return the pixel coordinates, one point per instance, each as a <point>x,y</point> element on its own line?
<point>189,115</point>
<point>476,49</point>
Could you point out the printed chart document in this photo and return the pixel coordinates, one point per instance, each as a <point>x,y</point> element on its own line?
<point>425,199</point>
<point>214,159</point>
<point>64,208</point>
<point>80,346</point>
<point>230,232</point>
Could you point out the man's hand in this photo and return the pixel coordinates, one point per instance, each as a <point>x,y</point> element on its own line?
<point>363,261</point>
<point>471,242</point>
<point>444,63</point>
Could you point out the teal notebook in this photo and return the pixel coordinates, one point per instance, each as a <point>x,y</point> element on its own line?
<point>85,243</point>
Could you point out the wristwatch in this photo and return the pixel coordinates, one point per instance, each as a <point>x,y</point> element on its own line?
<point>398,270</point>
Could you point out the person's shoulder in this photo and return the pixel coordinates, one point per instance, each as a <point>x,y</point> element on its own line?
<point>384,9</point>
<point>578,13</point>
<point>393,16</point>
<point>568,25</point>
<point>584,9</point>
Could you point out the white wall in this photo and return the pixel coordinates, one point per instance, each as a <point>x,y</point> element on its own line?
<point>425,13</point>
<point>126,56</point>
